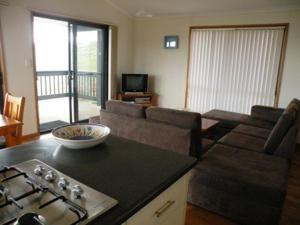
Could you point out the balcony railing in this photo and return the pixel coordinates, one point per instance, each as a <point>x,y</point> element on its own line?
<point>55,84</point>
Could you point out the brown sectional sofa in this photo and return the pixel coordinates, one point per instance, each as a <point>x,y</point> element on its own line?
<point>243,176</point>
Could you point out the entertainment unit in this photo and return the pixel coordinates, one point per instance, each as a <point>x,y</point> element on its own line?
<point>134,90</point>
<point>146,99</point>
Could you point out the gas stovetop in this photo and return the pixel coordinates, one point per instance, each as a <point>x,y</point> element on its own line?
<point>33,193</point>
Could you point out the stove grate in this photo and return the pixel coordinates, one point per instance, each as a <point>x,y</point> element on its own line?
<point>36,188</point>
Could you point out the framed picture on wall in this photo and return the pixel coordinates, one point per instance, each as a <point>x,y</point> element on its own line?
<point>171,42</point>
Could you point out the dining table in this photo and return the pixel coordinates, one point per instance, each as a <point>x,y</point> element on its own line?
<point>9,129</point>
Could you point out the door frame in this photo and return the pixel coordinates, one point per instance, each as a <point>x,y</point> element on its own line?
<point>70,20</point>
<point>2,71</point>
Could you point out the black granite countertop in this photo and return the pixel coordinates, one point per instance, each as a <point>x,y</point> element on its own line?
<point>128,171</point>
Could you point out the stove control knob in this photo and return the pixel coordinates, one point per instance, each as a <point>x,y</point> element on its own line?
<point>38,170</point>
<point>77,191</point>
<point>63,183</point>
<point>50,176</point>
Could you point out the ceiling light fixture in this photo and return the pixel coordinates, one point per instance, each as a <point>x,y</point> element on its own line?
<point>143,13</point>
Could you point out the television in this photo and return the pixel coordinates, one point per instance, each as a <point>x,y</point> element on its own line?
<point>134,82</point>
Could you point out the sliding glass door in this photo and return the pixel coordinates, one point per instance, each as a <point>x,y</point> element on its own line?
<point>51,42</point>
<point>89,65</point>
<point>72,70</point>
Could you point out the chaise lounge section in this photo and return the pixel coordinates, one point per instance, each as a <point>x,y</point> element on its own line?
<point>245,186</point>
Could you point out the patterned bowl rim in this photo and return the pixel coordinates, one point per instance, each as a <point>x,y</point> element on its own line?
<point>80,124</point>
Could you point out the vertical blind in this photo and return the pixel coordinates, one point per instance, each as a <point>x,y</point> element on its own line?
<point>233,69</point>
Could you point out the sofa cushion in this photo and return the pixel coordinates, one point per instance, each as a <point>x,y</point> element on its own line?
<point>252,131</point>
<point>159,135</point>
<point>266,113</point>
<point>281,128</point>
<point>227,119</point>
<point>231,119</point>
<point>243,141</point>
<point>207,143</point>
<point>287,146</point>
<point>258,123</point>
<point>179,118</point>
<point>245,186</point>
<point>255,172</point>
<point>125,108</point>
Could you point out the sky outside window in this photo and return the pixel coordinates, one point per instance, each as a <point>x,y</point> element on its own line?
<point>51,44</point>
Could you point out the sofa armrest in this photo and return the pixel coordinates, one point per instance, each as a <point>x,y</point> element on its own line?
<point>94,119</point>
<point>266,113</point>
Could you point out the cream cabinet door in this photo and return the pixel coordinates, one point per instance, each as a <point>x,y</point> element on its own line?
<point>169,208</point>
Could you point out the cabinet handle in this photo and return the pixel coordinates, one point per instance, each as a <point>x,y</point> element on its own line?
<point>164,208</point>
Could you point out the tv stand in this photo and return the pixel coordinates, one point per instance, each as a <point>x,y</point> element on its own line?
<point>141,98</point>
<point>133,93</point>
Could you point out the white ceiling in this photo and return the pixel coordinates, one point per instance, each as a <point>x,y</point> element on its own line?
<point>198,7</point>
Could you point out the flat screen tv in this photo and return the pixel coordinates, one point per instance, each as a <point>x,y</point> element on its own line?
<point>134,82</point>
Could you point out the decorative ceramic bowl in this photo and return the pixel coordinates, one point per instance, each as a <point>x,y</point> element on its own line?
<point>77,136</point>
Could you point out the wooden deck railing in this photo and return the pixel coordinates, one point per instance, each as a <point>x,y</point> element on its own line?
<point>55,84</point>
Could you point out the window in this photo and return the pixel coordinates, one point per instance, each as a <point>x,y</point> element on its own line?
<point>233,68</point>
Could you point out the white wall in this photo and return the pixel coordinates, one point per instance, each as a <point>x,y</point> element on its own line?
<point>17,40</point>
<point>169,67</point>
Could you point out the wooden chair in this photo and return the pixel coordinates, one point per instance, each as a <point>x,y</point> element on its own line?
<point>14,109</point>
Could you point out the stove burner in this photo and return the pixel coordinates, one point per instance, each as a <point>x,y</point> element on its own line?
<point>31,219</point>
<point>33,193</point>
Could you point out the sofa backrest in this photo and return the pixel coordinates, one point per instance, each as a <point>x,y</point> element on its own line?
<point>295,105</point>
<point>149,132</point>
<point>124,108</point>
<point>182,119</point>
<point>283,129</point>
<point>266,113</point>
<point>179,118</point>
<point>170,129</point>
<point>287,146</point>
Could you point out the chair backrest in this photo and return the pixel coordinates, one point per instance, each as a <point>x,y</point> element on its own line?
<point>14,108</point>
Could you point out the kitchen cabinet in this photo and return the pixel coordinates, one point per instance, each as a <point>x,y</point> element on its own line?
<point>169,208</point>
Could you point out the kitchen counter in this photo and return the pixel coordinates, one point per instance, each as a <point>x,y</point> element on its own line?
<point>132,173</point>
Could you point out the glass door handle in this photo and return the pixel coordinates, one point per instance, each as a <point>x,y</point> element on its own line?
<point>71,75</point>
